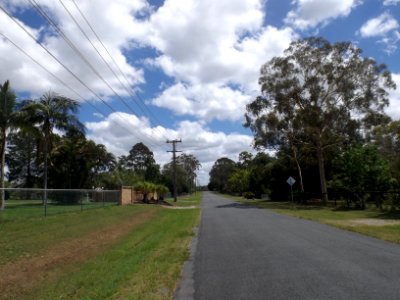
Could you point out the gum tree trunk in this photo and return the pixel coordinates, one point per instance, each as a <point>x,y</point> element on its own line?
<point>321,167</point>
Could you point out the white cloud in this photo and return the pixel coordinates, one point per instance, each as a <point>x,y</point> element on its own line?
<point>214,50</point>
<point>220,44</point>
<point>119,132</point>
<point>384,26</point>
<point>311,13</point>
<point>379,26</point>
<point>394,96</point>
<point>206,102</point>
<point>201,41</point>
<point>391,2</point>
<point>112,27</point>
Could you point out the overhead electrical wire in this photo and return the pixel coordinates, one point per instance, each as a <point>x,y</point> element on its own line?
<point>72,73</point>
<point>78,52</point>
<point>127,89</point>
<point>113,60</point>
<point>49,72</point>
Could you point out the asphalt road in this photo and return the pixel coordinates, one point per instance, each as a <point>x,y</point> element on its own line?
<point>248,253</point>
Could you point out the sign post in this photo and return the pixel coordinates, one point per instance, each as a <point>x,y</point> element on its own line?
<point>290,181</point>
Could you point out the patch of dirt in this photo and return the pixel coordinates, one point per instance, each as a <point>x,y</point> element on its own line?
<point>19,278</point>
<point>369,222</point>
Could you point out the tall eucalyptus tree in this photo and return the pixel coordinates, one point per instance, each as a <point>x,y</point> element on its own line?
<point>318,95</point>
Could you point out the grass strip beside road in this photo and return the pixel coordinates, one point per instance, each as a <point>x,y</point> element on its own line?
<point>143,260</point>
<point>371,222</point>
<point>192,200</point>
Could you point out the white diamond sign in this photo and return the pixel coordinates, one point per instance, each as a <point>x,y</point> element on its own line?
<point>291,181</point>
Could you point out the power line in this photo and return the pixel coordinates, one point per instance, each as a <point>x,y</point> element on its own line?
<point>101,56</point>
<point>57,78</point>
<point>113,60</point>
<point>77,51</point>
<point>51,73</point>
<point>69,70</point>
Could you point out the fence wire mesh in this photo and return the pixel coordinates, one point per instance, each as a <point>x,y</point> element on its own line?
<point>24,202</point>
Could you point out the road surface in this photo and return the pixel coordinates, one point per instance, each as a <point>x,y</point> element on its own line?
<point>247,253</point>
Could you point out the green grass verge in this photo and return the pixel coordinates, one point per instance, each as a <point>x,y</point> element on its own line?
<point>144,263</point>
<point>25,237</point>
<point>338,217</point>
<point>187,200</point>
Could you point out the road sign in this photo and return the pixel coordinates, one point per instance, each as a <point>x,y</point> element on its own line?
<point>290,181</point>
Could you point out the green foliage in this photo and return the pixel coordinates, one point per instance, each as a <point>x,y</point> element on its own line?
<point>189,164</point>
<point>220,173</point>
<point>363,169</point>
<point>161,189</point>
<point>51,111</point>
<point>186,167</point>
<point>75,162</point>
<point>386,137</point>
<point>116,178</point>
<point>248,195</point>
<point>239,181</point>
<point>8,120</point>
<point>141,161</point>
<point>21,160</point>
<point>245,159</point>
<point>318,95</point>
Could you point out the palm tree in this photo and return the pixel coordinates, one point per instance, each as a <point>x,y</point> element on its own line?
<point>145,188</point>
<point>8,120</point>
<point>161,190</point>
<point>50,112</point>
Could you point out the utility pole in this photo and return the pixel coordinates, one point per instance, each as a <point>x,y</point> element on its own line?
<point>173,142</point>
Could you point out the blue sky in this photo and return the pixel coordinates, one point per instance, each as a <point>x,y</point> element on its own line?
<point>181,69</point>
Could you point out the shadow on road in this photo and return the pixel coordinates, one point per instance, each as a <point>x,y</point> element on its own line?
<point>236,205</point>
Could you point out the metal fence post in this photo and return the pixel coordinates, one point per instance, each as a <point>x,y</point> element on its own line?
<point>45,203</point>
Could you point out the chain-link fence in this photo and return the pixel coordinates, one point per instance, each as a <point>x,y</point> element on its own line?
<point>20,202</point>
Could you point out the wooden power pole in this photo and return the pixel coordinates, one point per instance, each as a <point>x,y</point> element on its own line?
<point>173,142</point>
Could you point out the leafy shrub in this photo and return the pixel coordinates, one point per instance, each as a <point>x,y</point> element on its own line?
<point>248,195</point>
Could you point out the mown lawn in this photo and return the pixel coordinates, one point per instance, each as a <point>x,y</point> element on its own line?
<point>340,217</point>
<point>187,200</point>
<point>130,252</point>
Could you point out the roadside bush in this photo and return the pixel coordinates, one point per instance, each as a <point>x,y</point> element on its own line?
<point>248,195</point>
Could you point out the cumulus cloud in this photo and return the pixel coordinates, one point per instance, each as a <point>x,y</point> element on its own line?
<point>311,13</point>
<point>384,26</point>
<point>219,46</point>
<point>27,76</point>
<point>206,102</point>
<point>119,132</point>
<point>379,26</point>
